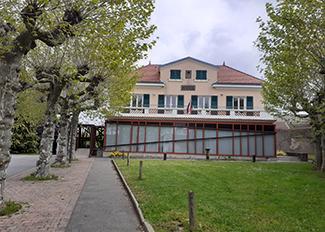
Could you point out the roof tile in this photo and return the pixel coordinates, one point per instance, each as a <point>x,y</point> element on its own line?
<point>149,73</point>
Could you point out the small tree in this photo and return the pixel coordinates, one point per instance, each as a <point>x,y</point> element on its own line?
<point>292,41</point>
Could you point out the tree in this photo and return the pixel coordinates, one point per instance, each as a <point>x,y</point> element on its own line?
<point>29,114</point>
<point>292,41</point>
<point>23,23</point>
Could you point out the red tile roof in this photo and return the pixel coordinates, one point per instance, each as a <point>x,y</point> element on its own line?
<point>228,75</point>
<point>149,73</point>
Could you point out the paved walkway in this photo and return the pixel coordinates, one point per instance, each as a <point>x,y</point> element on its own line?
<point>47,205</point>
<point>103,204</point>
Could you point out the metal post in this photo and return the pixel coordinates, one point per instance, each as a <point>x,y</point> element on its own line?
<point>140,169</point>
<point>207,151</point>
<point>128,159</point>
<point>191,210</point>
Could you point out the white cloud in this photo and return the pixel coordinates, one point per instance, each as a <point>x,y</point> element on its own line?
<point>210,30</point>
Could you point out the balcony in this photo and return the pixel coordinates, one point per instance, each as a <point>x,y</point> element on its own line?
<point>197,113</point>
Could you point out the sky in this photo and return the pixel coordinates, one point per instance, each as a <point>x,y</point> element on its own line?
<point>214,31</point>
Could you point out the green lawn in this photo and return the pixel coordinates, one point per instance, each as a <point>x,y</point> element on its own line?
<point>230,196</point>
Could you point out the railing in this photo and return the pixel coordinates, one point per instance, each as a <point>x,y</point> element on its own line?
<point>202,112</point>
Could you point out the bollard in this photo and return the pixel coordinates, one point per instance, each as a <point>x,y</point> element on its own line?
<point>191,210</point>
<point>254,158</point>
<point>207,151</point>
<point>140,169</point>
<point>128,159</point>
<point>165,156</point>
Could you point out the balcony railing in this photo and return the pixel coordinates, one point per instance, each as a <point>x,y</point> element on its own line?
<point>202,112</point>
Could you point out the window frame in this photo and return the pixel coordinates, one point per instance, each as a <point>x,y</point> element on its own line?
<point>202,99</point>
<point>197,74</point>
<point>171,76</point>
<point>139,98</point>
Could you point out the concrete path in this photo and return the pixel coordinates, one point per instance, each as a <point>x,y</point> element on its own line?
<point>103,204</point>
<point>20,163</point>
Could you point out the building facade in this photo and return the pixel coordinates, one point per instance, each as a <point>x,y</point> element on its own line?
<point>189,106</point>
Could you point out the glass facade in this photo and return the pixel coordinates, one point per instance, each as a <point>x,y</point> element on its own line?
<point>190,138</point>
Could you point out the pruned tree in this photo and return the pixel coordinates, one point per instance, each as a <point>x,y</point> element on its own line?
<point>292,42</point>
<point>24,22</point>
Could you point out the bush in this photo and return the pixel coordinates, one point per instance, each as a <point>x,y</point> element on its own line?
<point>117,154</point>
<point>280,153</point>
<point>24,137</point>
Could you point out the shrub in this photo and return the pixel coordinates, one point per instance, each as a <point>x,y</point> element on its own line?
<point>281,153</point>
<point>117,154</point>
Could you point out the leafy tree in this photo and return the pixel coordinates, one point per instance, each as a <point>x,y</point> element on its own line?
<point>24,22</point>
<point>29,114</point>
<point>292,41</point>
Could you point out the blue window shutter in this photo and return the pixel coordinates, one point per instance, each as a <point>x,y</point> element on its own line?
<point>146,100</point>
<point>229,102</point>
<point>194,101</point>
<point>249,103</point>
<point>180,101</point>
<point>214,102</point>
<point>175,74</point>
<point>161,101</point>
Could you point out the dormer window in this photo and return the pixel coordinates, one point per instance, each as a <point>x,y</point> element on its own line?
<point>201,75</point>
<point>175,74</point>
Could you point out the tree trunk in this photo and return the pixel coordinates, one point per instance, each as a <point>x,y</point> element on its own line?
<point>61,156</point>
<point>318,152</point>
<point>43,164</point>
<point>74,127</point>
<point>323,151</point>
<point>8,91</point>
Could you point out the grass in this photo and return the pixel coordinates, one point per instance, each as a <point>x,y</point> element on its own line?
<point>9,208</point>
<point>60,165</point>
<point>33,177</point>
<point>230,196</point>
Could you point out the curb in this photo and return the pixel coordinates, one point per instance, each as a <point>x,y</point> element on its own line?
<point>145,224</point>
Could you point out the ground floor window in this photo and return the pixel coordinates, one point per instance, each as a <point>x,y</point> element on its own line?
<point>191,138</point>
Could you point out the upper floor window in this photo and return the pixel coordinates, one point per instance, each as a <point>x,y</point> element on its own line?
<point>204,102</point>
<point>175,74</point>
<point>140,100</point>
<point>201,75</point>
<point>240,102</point>
<point>170,101</point>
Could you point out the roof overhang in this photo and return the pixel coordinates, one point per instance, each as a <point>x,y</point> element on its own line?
<point>236,86</point>
<point>198,118</point>
<point>150,84</point>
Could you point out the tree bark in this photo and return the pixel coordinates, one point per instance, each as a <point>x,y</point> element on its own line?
<point>61,156</point>
<point>74,127</point>
<point>43,164</point>
<point>8,91</point>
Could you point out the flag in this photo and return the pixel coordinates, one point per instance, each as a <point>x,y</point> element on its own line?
<point>189,108</point>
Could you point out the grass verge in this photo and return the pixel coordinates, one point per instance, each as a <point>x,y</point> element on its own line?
<point>9,208</point>
<point>33,177</point>
<point>60,165</point>
<point>230,196</point>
